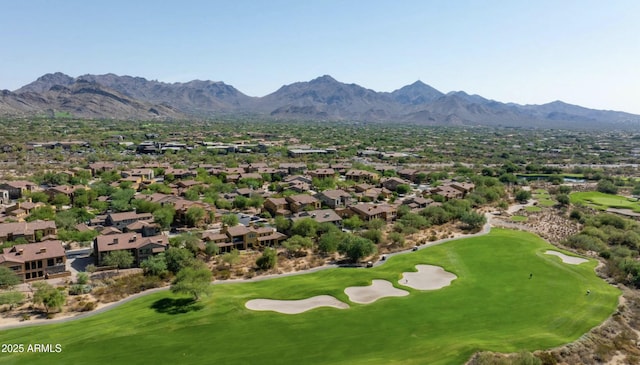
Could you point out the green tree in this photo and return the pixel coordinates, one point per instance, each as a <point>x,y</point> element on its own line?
<point>282,224</point>
<point>522,196</point>
<point>305,227</point>
<point>82,278</point>
<point>8,278</point>
<point>473,220</point>
<point>194,216</point>
<point>230,220</point>
<point>11,298</point>
<point>60,200</point>
<point>563,199</point>
<point>164,216</point>
<point>268,260</point>
<point>192,280</point>
<point>355,248</point>
<point>211,249</point>
<point>607,187</point>
<point>121,259</point>
<point>353,222</point>
<point>155,265</point>
<point>45,213</point>
<point>48,296</point>
<point>328,242</point>
<point>297,244</point>
<point>178,258</point>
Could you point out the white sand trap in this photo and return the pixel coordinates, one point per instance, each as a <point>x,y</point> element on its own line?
<point>428,277</point>
<point>566,259</point>
<point>369,294</point>
<point>295,306</point>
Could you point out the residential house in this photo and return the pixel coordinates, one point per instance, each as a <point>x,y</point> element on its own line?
<point>294,167</point>
<point>66,190</point>
<point>361,176</point>
<point>4,197</point>
<point>334,198</point>
<point>320,216</point>
<point>300,202</point>
<point>368,211</point>
<point>31,231</point>
<point>21,210</point>
<point>17,188</point>
<point>392,183</point>
<point>322,173</point>
<point>464,187</point>
<point>448,192</point>
<point>417,202</point>
<point>277,206</point>
<point>36,261</point>
<point>99,167</point>
<point>147,175</point>
<point>121,220</point>
<point>407,174</point>
<point>243,238</point>
<point>140,247</point>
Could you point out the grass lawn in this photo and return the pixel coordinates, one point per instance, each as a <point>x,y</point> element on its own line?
<point>533,209</point>
<point>546,202</point>
<point>603,201</point>
<point>518,218</point>
<point>493,305</point>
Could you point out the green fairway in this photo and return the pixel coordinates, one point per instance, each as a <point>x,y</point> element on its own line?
<point>603,201</point>
<point>518,218</point>
<point>492,305</point>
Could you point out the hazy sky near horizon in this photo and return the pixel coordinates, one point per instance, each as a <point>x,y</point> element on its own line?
<point>584,52</point>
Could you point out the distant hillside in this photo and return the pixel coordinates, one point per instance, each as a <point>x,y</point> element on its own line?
<point>323,98</point>
<point>81,99</point>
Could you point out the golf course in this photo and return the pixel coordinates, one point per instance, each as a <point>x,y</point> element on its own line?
<point>508,295</point>
<point>602,201</point>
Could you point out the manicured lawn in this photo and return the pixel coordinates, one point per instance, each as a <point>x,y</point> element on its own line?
<point>518,218</point>
<point>603,201</point>
<point>533,209</point>
<point>493,305</point>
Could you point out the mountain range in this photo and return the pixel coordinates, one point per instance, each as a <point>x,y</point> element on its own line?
<point>324,98</point>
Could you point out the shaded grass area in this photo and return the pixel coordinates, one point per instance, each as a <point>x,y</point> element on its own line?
<point>493,305</point>
<point>602,201</point>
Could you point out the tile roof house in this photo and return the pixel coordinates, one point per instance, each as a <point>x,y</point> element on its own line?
<point>277,206</point>
<point>320,216</point>
<point>300,202</point>
<point>368,212</point>
<point>31,231</point>
<point>140,247</point>
<point>121,220</point>
<point>36,261</point>
<point>241,237</point>
<point>334,198</point>
<point>17,188</point>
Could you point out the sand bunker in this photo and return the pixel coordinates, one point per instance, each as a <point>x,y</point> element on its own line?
<point>566,259</point>
<point>369,294</point>
<point>295,306</point>
<point>428,277</point>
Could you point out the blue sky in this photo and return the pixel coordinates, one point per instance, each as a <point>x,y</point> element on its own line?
<point>529,52</point>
